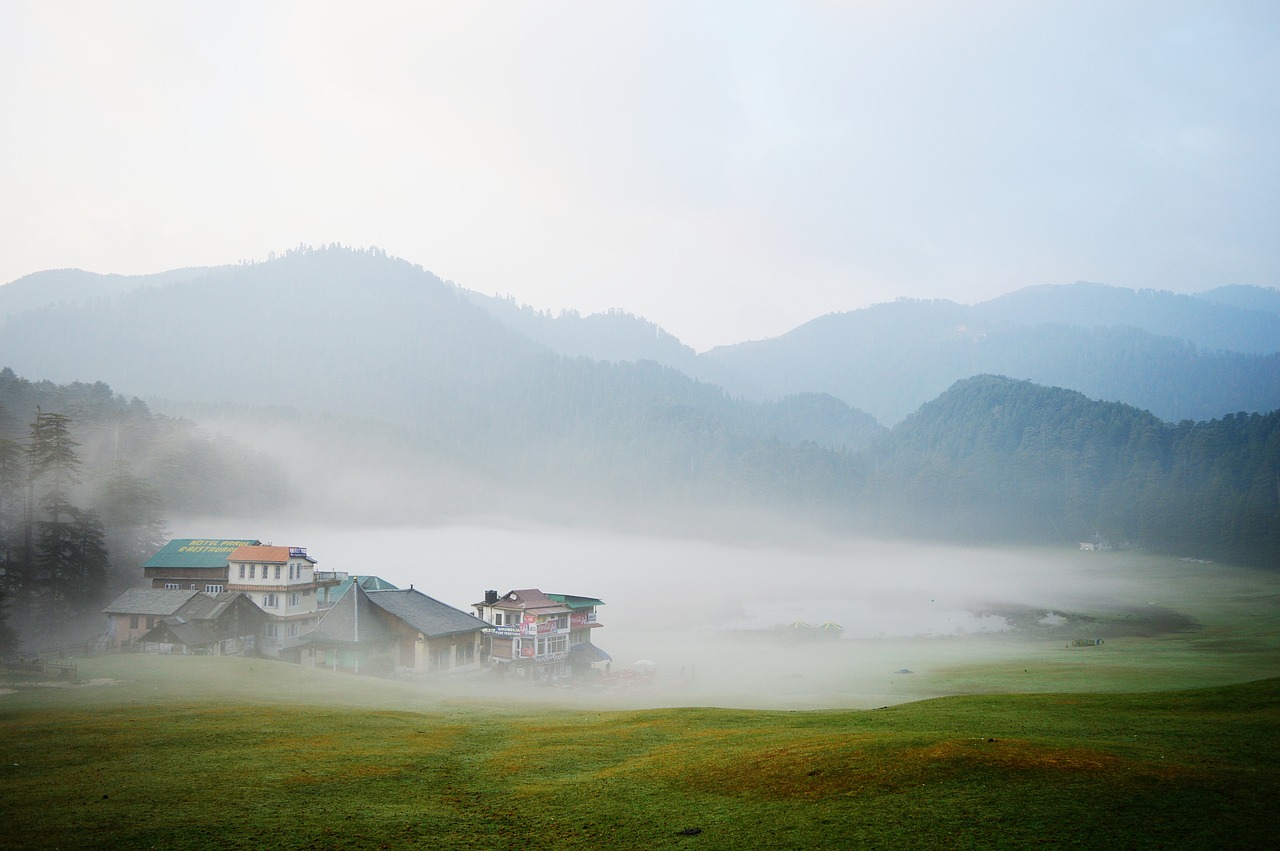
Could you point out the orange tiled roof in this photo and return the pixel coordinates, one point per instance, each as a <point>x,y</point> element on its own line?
<point>267,554</point>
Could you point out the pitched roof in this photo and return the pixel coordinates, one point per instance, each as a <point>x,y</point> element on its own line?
<point>530,600</point>
<point>368,583</point>
<point>182,631</point>
<point>425,614</point>
<point>351,620</point>
<point>207,607</point>
<point>196,552</point>
<point>149,601</point>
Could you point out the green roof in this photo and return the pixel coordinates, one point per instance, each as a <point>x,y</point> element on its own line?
<point>574,602</point>
<point>368,583</point>
<point>197,552</point>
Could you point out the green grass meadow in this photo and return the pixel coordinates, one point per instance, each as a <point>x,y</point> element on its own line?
<point>195,752</point>
<point>1155,739</point>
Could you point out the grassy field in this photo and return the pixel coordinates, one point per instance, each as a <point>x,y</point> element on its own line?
<point>1165,736</point>
<point>174,752</point>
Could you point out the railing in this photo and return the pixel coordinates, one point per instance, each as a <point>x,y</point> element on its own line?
<point>36,665</point>
<point>558,656</point>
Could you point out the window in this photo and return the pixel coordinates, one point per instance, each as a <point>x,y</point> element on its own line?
<point>242,571</point>
<point>497,618</point>
<point>293,629</point>
<point>466,653</point>
<point>277,571</point>
<point>293,599</point>
<point>173,586</point>
<point>291,573</point>
<point>253,569</point>
<point>133,621</point>
<point>270,601</point>
<point>151,621</point>
<point>552,644</point>
<point>213,589</point>
<point>273,630</point>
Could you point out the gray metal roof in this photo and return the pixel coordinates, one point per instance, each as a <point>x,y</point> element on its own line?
<point>426,614</point>
<point>149,601</point>
<point>351,620</point>
<point>181,631</point>
<point>209,607</point>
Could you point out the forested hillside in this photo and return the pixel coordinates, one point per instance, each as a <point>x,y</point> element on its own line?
<point>1223,323</point>
<point>356,333</point>
<point>1179,356</point>
<point>998,459</point>
<point>87,479</point>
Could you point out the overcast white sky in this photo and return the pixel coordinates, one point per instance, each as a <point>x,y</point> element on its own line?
<point>728,170</point>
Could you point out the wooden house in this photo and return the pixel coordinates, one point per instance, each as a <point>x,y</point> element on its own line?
<point>183,621</point>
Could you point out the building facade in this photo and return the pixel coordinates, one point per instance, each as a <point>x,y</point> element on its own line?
<point>283,582</point>
<point>192,564</point>
<point>177,621</point>
<point>137,611</point>
<point>541,636</point>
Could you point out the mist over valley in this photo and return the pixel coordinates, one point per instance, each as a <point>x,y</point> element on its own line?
<point>400,426</point>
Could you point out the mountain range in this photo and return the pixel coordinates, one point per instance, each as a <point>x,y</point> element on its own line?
<point>1178,356</point>
<point>826,420</point>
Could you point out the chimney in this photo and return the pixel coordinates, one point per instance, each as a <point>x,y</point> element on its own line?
<point>490,597</point>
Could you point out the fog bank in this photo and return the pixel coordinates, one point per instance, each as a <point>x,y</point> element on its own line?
<point>713,617</point>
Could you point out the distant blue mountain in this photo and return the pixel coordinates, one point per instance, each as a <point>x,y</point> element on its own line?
<point>1180,357</point>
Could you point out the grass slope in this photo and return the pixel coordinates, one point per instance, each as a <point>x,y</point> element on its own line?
<point>193,752</point>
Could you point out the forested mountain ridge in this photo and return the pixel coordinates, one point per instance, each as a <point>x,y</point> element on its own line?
<point>995,458</point>
<point>74,286</point>
<point>1211,324</point>
<point>1180,356</point>
<point>358,333</point>
<point>1265,299</point>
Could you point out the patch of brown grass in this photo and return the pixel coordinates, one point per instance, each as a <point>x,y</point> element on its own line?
<point>826,766</point>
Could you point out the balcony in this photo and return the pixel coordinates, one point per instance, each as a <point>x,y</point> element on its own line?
<point>558,656</point>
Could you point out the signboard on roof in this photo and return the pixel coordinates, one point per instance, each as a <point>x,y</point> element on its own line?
<point>206,546</point>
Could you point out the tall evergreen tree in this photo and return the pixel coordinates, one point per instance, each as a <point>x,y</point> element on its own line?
<point>65,551</point>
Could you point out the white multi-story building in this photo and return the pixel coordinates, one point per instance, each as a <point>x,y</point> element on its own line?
<point>283,582</point>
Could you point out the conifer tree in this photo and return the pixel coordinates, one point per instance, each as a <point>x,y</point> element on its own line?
<point>65,552</point>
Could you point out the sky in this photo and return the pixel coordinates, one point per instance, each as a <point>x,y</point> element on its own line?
<point>726,170</point>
